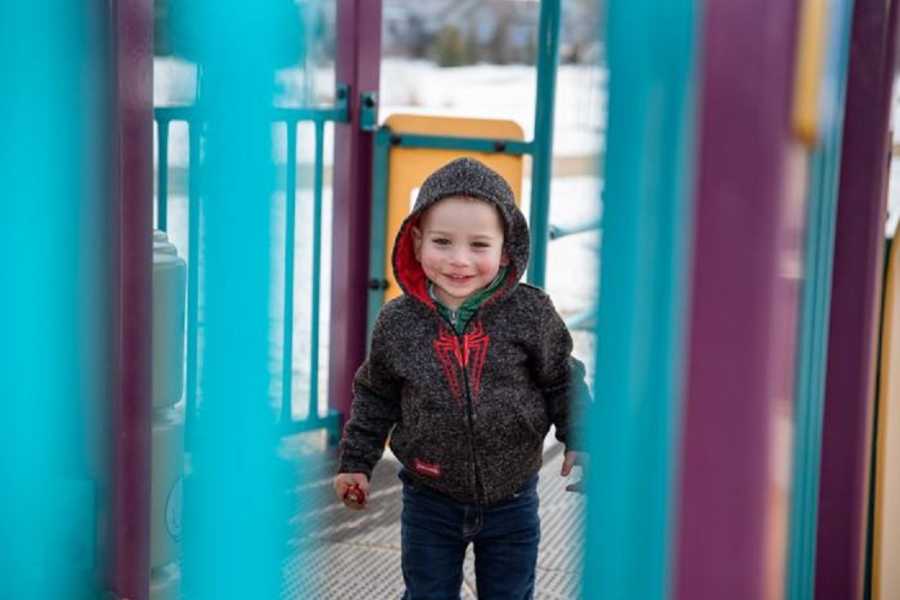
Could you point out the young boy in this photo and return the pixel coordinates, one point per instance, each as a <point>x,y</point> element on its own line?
<point>467,370</point>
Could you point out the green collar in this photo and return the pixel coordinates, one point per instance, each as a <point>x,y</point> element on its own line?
<point>460,317</point>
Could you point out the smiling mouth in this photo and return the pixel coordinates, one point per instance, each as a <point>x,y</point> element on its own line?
<point>459,277</point>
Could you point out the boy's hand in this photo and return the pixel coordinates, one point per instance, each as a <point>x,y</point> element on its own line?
<point>571,459</point>
<point>352,489</point>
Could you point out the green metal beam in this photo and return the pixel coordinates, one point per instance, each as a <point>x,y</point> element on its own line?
<point>339,113</point>
<point>469,144</point>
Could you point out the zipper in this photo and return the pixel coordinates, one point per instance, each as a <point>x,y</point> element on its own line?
<point>470,411</point>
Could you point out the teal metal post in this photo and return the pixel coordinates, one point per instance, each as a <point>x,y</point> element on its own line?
<point>542,158</point>
<point>290,198</point>
<point>377,258</point>
<point>813,323</point>
<point>193,278</point>
<point>53,228</point>
<point>647,223</point>
<point>162,181</point>
<point>234,524</point>
<point>313,414</point>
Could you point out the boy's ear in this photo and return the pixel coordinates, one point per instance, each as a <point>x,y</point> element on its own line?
<point>504,259</point>
<point>417,242</point>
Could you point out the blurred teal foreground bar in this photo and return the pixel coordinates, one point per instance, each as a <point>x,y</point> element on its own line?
<point>235,522</point>
<point>46,506</point>
<point>646,226</point>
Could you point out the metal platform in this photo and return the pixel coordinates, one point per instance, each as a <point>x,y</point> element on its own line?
<point>356,554</point>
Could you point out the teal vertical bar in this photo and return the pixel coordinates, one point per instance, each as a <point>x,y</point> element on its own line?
<point>542,158</point>
<point>822,197</point>
<point>162,174</point>
<point>377,258</point>
<point>235,522</point>
<point>647,216</point>
<point>287,362</point>
<point>316,274</point>
<point>193,278</point>
<point>48,135</point>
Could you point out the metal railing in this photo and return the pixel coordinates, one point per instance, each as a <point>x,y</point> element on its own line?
<point>291,118</point>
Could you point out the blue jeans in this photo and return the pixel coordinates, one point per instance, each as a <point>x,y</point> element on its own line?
<point>436,530</point>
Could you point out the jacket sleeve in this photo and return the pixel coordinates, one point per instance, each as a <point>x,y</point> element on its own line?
<point>375,409</point>
<point>561,378</point>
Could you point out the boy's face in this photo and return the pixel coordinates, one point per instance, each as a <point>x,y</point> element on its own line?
<point>459,243</point>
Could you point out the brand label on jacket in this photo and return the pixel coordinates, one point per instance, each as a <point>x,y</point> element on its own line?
<point>427,469</point>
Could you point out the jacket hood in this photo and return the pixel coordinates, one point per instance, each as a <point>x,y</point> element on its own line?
<point>461,177</point>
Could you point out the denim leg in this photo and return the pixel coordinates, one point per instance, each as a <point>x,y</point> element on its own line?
<point>433,547</point>
<point>506,548</point>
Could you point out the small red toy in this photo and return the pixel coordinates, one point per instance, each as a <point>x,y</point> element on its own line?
<point>355,496</point>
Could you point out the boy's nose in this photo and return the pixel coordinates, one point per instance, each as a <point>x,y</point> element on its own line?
<point>459,258</point>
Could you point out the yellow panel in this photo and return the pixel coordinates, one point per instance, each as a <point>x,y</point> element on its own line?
<point>809,68</point>
<point>886,542</point>
<point>409,167</point>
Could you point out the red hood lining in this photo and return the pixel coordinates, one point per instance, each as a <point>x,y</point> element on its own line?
<point>407,269</point>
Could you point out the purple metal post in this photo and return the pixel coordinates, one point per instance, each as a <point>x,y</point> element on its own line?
<point>131,203</point>
<point>855,297</point>
<point>358,65</point>
<point>748,229</point>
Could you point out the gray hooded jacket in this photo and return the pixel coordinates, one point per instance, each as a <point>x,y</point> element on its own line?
<point>467,414</point>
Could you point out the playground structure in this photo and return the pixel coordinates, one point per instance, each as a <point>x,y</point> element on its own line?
<point>739,447</point>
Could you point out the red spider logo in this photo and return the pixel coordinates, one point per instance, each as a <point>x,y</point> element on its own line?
<point>469,355</point>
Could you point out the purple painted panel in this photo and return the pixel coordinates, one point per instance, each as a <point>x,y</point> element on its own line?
<point>745,298</point>
<point>358,64</point>
<point>855,296</point>
<point>132,224</point>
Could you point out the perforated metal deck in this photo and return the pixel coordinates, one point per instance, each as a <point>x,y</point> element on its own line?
<point>356,554</point>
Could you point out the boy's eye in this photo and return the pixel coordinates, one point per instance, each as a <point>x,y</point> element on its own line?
<point>480,245</point>
<point>441,241</point>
